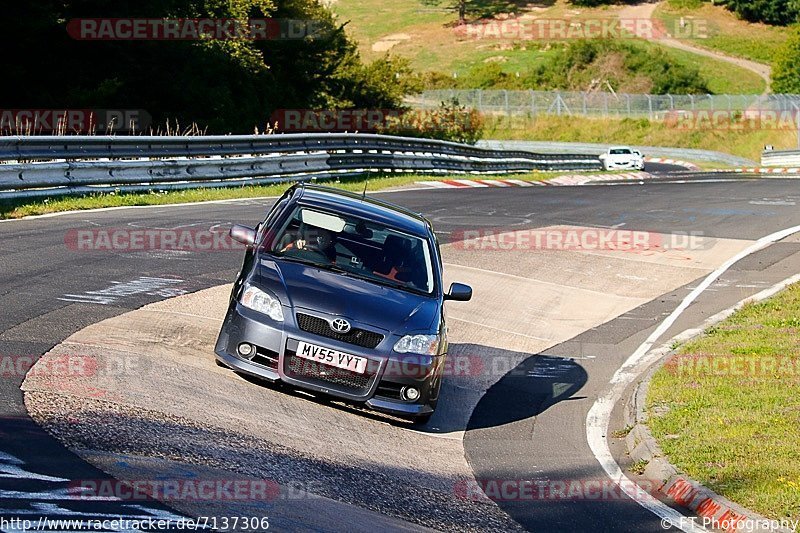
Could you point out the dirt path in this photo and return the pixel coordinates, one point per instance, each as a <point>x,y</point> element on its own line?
<point>646,10</point>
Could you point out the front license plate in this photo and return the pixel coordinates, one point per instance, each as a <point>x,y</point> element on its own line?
<point>326,356</point>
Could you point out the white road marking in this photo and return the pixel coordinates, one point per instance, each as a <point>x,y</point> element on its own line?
<point>117,290</point>
<point>11,467</point>
<point>599,416</point>
<point>40,500</point>
<point>766,201</point>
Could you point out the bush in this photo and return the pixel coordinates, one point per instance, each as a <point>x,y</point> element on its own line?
<point>776,12</point>
<point>449,122</point>
<point>786,68</point>
<point>580,65</point>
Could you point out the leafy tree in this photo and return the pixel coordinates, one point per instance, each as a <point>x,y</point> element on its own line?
<point>226,86</point>
<point>777,12</point>
<point>786,67</point>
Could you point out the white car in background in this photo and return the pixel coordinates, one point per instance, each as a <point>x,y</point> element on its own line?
<point>622,157</point>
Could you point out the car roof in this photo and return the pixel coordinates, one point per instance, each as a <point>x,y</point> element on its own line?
<point>621,148</point>
<point>360,206</point>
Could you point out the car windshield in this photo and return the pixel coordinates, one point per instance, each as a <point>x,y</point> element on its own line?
<point>620,151</point>
<point>355,247</point>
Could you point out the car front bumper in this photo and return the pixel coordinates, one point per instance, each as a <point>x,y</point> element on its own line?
<point>627,165</point>
<point>274,359</point>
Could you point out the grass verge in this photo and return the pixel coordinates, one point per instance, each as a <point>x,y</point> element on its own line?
<point>742,142</point>
<point>23,208</point>
<point>726,408</point>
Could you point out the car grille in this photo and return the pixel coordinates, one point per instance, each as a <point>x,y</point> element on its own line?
<point>320,326</point>
<point>304,369</point>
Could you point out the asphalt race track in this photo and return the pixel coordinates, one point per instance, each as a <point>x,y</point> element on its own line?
<point>548,327</point>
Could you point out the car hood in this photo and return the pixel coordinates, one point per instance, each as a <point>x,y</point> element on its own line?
<point>304,287</point>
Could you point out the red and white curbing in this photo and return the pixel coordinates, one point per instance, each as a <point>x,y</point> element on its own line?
<point>467,184</point>
<point>582,179</point>
<point>685,164</point>
<point>765,170</point>
<point>567,179</point>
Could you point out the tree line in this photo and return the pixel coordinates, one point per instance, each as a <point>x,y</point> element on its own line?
<point>224,86</point>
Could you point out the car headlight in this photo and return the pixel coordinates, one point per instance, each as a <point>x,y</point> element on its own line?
<point>258,300</point>
<point>419,344</point>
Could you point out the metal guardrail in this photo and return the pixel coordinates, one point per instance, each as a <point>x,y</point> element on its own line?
<point>780,158</point>
<point>689,154</point>
<point>38,166</point>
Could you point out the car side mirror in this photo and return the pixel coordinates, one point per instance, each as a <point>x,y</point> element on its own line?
<point>459,292</point>
<point>243,234</point>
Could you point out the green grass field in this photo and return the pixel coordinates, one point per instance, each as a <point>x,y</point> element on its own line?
<point>726,408</point>
<point>425,33</point>
<point>724,31</point>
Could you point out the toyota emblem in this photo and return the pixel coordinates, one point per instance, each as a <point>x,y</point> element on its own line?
<point>340,325</point>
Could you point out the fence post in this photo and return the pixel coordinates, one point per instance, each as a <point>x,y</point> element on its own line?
<point>585,112</point>
<point>508,108</point>
<point>691,99</point>
<point>649,106</point>
<point>533,102</point>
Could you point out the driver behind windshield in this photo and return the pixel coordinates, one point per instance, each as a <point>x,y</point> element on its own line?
<point>317,240</point>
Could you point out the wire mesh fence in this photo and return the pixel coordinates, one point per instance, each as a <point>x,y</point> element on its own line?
<point>601,104</point>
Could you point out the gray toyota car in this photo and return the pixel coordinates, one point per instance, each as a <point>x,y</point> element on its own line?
<point>342,294</point>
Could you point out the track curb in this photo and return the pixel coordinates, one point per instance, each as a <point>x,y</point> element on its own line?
<point>672,484</point>
<point>760,170</point>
